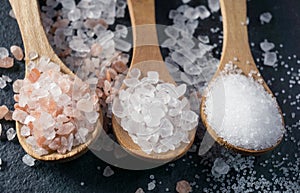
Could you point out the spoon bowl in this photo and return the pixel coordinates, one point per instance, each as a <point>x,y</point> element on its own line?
<point>35,40</point>
<point>236,50</point>
<point>147,57</point>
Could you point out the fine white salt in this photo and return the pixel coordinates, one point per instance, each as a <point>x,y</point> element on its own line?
<point>241,112</point>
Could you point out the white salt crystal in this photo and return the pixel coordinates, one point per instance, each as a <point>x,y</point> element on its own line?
<point>3,53</point>
<point>203,12</point>
<point>232,111</point>
<point>185,1</point>
<point>219,168</point>
<point>203,39</point>
<point>107,172</point>
<point>265,17</point>
<point>139,190</point>
<point>68,4</point>
<point>28,160</point>
<point>0,129</point>
<point>191,13</point>
<point>186,43</point>
<point>270,59</point>
<point>151,186</point>
<point>266,46</point>
<point>74,14</point>
<point>214,5</point>
<point>122,45</point>
<point>172,32</point>
<point>11,134</point>
<point>134,73</point>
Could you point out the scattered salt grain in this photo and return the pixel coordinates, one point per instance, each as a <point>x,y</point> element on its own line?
<point>151,185</point>
<point>6,62</point>
<point>139,190</point>
<point>183,187</point>
<point>11,134</point>
<point>12,14</point>
<point>266,46</point>
<point>3,111</point>
<point>3,53</point>
<point>219,168</point>
<point>0,129</point>
<point>203,12</point>
<point>214,5</point>
<point>241,112</point>
<point>270,59</point>
<point>107,172</point>
<point>185,1</point>
<point>17,52</point>
<point>265,17</point>
<point>28,160</point>
<point>32,55</point>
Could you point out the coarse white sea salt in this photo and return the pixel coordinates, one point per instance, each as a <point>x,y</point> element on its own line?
<point>241,112</point>
<point>155,114</point>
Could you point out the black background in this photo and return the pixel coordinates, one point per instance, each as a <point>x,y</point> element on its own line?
<point>66,177</point>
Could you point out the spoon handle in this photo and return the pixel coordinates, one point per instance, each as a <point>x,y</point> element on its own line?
<point>235,34</point>
<point>32,31</point>
<point>145,41</point>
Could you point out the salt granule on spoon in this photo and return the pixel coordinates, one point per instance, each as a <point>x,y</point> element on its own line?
<point>241,112</point>
<point>154,113</point>
<point>57,110</point>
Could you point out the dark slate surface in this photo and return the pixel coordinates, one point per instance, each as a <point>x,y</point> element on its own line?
<point>66,177</point>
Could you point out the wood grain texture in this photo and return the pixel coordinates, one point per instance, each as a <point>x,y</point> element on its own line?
<point>235,45</point>
<point>147,57</point>
<point>35,40</point>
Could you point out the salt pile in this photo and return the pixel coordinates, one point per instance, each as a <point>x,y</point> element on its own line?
<point>79,34</point>
<point>28,160</point>
<point>241,112</point>
<point>58,116</point>
<point>190,60</point>
<point>154,113</point>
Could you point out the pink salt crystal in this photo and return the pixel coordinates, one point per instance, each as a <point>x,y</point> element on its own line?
<point>3,111</point>
<point>96,49</point>
<point>34,75</point>
<point>17,52</point>
<point>6,62</point>
<point>8,116</point>
<point>17,85</point>
<point>119,66</point>
<point>55,144</point>
<point>19,115</point>
<point>183,187</point>
<point>65,129</point>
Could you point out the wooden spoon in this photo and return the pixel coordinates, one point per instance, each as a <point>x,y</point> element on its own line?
<point>235,49</point>
<point>35,40</point>
<point>147,57</point>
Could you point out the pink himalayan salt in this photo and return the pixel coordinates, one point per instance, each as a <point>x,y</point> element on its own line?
<point>183,187</point>
<point>17,52</point>
<point>119,66</point>
<point>6,62</point>
<point>51,122</point>
<point>3,111</point>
